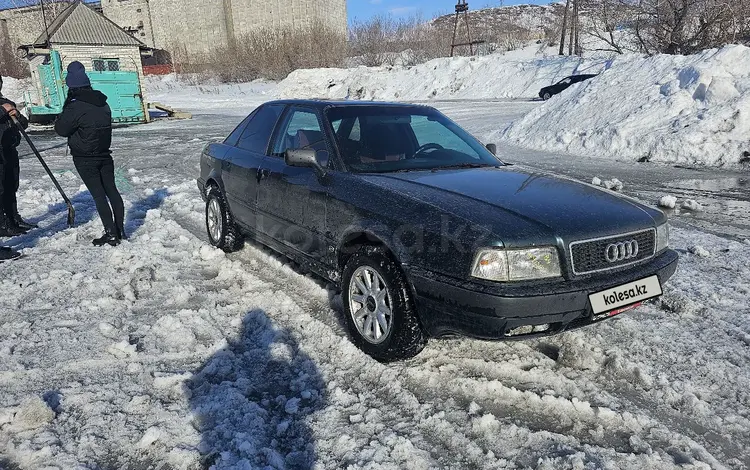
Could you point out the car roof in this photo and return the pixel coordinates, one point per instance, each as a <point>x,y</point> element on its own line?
<point>332,103</point>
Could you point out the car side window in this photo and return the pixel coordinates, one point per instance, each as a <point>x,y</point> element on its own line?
<point>565,81</point>
<point>300,129</point>
<point>234,137</point>
<point>258,131</point>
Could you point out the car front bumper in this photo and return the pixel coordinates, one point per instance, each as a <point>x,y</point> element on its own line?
<point>448,307</point>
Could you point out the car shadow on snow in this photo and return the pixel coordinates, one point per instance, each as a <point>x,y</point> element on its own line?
<point>252,401</point>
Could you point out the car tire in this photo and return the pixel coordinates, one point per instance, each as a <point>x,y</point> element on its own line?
<point>365,306</point>
<point>222,231</point>
<point>546,96</point>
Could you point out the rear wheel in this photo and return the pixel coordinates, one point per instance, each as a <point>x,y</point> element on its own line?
<point>546,96</point>
<point>222,231</point>
<point>379,309</point>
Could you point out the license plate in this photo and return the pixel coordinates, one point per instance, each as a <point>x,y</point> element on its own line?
<point>626,294</point>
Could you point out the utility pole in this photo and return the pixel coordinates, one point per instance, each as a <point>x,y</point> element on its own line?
<point>463,7</point>
<point>564,27</point>
<point>576,27</point>
<point>572,28</point>
<point>44,19</point>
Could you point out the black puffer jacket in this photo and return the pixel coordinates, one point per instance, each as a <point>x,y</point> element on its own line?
<point>10,137</point>
<point>86,121</point>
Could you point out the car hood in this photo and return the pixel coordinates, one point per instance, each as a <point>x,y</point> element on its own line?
<point>511,199</point>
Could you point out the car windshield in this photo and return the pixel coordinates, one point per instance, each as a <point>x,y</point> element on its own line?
<point>380,139</point>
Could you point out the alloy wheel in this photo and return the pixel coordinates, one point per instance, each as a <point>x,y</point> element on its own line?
<point>370,305</point>
<point>214,220</point>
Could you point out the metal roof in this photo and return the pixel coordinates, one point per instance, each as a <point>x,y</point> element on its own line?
<point>79,24</point>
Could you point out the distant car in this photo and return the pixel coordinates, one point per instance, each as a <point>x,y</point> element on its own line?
<point>424,229</point>
<point>548,91</point>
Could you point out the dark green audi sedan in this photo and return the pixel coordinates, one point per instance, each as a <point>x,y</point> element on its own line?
<point>424,229</point>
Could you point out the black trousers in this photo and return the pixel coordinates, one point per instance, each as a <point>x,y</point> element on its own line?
<point>9,176</point>
<point>98,174</point>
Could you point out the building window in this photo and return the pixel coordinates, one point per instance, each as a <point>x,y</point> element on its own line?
<point>106,65</point>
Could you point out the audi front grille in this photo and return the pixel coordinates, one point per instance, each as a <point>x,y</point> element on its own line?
<point>617,251</point>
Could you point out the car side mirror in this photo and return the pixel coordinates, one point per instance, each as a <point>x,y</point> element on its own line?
<point>492,148</point>
<point>306,158</point>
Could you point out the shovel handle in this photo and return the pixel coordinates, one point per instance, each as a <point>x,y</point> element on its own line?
<point>71,209</point>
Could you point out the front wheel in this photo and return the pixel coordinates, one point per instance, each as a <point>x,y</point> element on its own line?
<point>380,312</point>
<point>222,231</point>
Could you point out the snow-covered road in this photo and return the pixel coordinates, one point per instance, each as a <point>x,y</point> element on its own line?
<point>166,353</point>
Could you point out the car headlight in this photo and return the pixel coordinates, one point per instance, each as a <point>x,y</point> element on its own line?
<point>497,264</point>
<point>662,237</point>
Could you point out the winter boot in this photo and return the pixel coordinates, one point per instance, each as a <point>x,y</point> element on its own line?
<point>9,229</point>
<point>107,239</point>
<point>121,233</point>
<point>22,224</point>
<point>7,254</point>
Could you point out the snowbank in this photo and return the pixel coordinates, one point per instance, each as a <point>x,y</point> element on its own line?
<point>13,88</point>
<point>188,93</point>
<point>517,75</point>
<point>683,109</point>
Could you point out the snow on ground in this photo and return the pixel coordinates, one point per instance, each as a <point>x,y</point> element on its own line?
<point>520,74</point>
<point>167,353</point>
<point>665,108</point>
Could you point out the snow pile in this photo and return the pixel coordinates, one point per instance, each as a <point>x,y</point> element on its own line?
<point>13,88</point>
<point>614,184</point>
<point>692,205</point>
<point>493,76</point>
<point>699,251</point>
<point>668,202</point>
<point>192,93</point>
<point>686,109</point>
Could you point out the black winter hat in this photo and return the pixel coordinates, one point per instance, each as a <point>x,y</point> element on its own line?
<point>77,77</point>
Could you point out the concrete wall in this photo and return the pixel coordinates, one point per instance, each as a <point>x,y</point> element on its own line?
<point>133,16</point>
<point>194,27</point>
<point>248,15</point>
<point>24,24</point>
<point>191,26</point>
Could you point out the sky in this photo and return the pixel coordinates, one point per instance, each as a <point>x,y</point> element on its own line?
<point>364,9</point>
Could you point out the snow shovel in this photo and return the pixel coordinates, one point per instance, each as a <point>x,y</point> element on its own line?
<point>71,209</point>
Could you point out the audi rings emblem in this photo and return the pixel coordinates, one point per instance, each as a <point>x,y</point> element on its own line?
<point>621,251</point>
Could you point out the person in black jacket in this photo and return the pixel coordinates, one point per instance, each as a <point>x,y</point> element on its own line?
<point>86,121</point>
<point>10,221</point>
<point>6,111</point>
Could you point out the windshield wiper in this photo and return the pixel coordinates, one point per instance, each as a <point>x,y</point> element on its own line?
<point>464,165</point>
